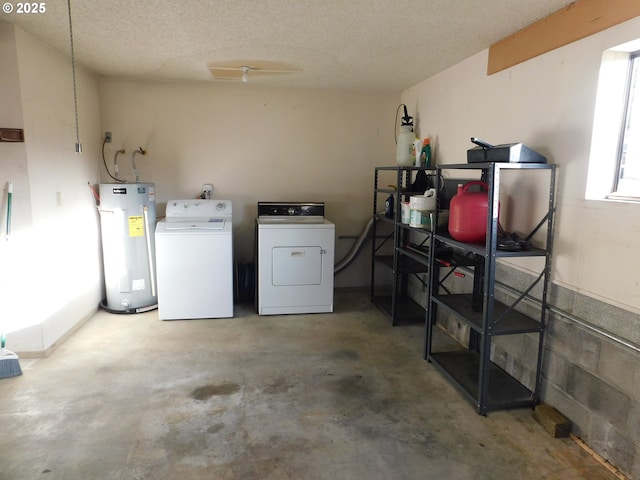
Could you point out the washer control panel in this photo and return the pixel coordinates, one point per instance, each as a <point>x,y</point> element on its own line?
<point>197,208</point>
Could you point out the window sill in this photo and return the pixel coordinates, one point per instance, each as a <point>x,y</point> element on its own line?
<point>622,198</point>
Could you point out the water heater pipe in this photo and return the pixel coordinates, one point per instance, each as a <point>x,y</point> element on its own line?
<point>147,233</point>
<point>133,162</point>
<point>115,164</point>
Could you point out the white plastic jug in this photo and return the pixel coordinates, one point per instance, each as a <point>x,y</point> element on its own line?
<point>420,208</point>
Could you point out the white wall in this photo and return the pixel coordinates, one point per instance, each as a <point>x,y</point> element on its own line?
<point>256,144</point>
<point>51,263</point>
<point>548,104</point>
<point>13,156</point>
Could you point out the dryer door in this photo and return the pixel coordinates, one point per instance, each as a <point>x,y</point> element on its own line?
<point>296,266</point>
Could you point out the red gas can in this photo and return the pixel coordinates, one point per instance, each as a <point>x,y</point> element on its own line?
<point>468,213</point>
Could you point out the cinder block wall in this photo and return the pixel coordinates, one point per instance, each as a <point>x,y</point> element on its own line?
<point>591,364</point>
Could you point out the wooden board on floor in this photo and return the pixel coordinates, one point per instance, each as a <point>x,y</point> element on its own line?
<point>552,421</point>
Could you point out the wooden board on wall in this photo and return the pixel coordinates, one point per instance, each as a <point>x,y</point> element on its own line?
<point>580,19</point>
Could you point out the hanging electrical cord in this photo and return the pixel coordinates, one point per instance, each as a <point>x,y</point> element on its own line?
<point>104,161</point>
<point>96,196</point>
<point>73,72</point>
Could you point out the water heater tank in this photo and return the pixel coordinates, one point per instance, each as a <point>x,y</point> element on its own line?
<point>128,223</point>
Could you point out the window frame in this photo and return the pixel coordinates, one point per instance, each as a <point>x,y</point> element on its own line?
<point>633,70</point>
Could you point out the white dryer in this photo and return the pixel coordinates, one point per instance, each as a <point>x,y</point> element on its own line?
<point>295,249</point>
<point>194,260</point>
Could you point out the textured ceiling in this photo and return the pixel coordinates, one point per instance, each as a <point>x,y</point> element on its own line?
<point>352,44</point>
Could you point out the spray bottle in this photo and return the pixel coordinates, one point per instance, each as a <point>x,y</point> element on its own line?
<point>417,149</point>
<point>425,156</point>
<point>405,149</point>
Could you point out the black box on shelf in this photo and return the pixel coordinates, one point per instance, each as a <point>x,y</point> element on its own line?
<point>504,153</point>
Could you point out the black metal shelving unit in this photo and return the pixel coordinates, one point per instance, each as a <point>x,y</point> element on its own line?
<point>398,248</point>
<point>471,369</point>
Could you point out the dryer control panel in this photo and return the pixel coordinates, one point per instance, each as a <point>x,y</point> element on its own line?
<point>294,209</point>
<point>197,208</point>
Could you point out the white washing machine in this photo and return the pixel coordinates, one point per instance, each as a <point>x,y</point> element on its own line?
<point>194,260</point>
<point>295,250</point>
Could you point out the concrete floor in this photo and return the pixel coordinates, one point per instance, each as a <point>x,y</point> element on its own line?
<point>325,396</point>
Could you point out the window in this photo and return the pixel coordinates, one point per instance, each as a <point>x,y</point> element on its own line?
<point>614,163</point>
<point>627,180</point>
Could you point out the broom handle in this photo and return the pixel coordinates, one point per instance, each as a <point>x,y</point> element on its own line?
<point>7,232</point>
<point>9,197</point>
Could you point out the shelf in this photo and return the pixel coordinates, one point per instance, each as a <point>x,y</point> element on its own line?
<point>405,265</point>
<point>488,386</point>
<point>392,249</point>
<point>407,226</point>
<point>386,260</point>
<point>446,256</point>
<point>382,217</point>
<point>481,249</point>
<point>463,368</point>
<point>417,253</point>
<point>407,311</point>
<point>498,166</point>
<point>387,191</point>
<point>403,192</point>
<point>412,169</point>
<point>513,322</point>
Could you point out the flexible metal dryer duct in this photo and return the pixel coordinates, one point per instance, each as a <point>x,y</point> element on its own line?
<point>355,250</point>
